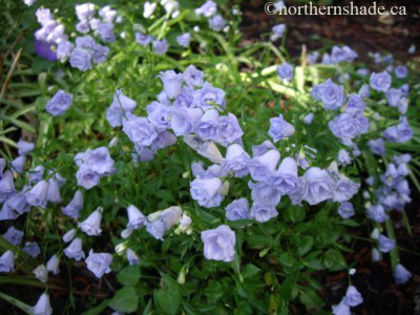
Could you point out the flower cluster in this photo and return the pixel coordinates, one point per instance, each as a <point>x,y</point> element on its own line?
<point>209,10</point>
<point>187,107</point>
<point>93,165</point>
<point>53,44</point>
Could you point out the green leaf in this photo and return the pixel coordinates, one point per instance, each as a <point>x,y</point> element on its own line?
<point>125,300</point>
<point>129,275</point>
<point>334,260</point>
<point>250,270</point>
<point>310,299</point>
<point>285,259</point>
<point>305,244</point>
<point>167,301</point>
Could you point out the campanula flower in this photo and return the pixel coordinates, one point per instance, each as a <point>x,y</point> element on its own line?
<point>208,9</point>
<point>377,213</point>
<point>7,213</point>
<point>262,148</point>
<point>121,104</point>
<point>32,249</point>
<point>330,94</point>
<point>385,244</point>
<point>346,126</point>
<point>355,103</point>
<point>285,178</point>
<point>172,82</point>
<point>380,81</point>
<point>346,210</point>
<point>7,184</point>
<point>401,274</point>
<point>99,161</point>
<point>345,189</point>
<point>278,31</point>
<point>217,22</point>
<point>41,273</point>
<point>160,46</point>
<point>263,212</point>
<point>75,250</point>
<point>81,59</point>
<point>285,71</point>
<point>264,192</point>
<point>106,32</point>
<point>236,161</point>
<point>132,258</point>
<point>206,191</point>
<point>184,120</point>
<point>261,167</point>
<point>75,205</point>
<point>140,131</point>
<point>142,39</point>
<point>185,98</point>
<point>193,77</point>
<point>280,129</point>
<point>136,219</point>
<point>7,261</point>
<point>85,11</point>
<point>377,146</point>
<point>43,306</point>
<point>98,263</point>
<point>219,243</point>
<point>208,126</point>
<point>43,49</point>
<point>208,96</point>
<point>38,195</point>
<point>159,115</point>
<point>91,225</point>
<point>393,96</point>
<point>64,49</point>
<point>229,130</point>
<point>308,118</point>
<point>353,297</point>
<point>86,177</point>
<point>156,228</point>
<point>400,132</point>
<point>341,309</point>
<point>343,157</point>
<point>35,174</point>
<point>148,9</point>
<point>69,235</point>
<point>13,236</point>
<point>53,265</point>
<point>319,185</point>
<point>340,54</point>
<point>53,194</point>
<point>25,147</point>
<point>163,140</point>
<point>401,72</point>
<point>183,39</point>
<point>238,210</point>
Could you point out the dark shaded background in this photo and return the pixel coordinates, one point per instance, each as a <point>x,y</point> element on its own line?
<point>363,33</point>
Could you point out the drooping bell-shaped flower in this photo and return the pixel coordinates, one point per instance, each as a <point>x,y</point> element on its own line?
<point>75,250</point>
<point>75,205</point>
<point>6,261</point>
<point>43,306</point>
<point>91,226</point>
<point>38,195</point>
<point>136,219</point>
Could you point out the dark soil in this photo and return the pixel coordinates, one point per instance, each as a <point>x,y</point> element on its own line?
<point>364,34</point>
